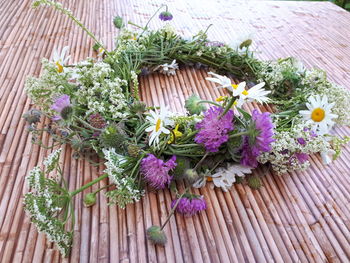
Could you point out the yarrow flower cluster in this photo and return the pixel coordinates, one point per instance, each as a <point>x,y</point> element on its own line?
<point>259,140</point>
<point>43,203</point>
<point>127,190</point>
<point>213,129</point>
<point>156,171</point>
<point>189,205</point>
<point>290,150</point>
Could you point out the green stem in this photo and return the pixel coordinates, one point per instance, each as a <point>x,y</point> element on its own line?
<point>149,20</point>
<point>228,107</point>
<point>210,102</point>
<point>69,13</point>
<point>77,191</point>
<point>238,134</point>
<point>201,160</point>
<point>173,209</point>
<point>87,124</point>
<point>100,189</point>
<point>133,24</point>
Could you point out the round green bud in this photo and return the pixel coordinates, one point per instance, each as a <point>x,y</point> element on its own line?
<point>118,22</point>
<point>254,182</point>
<point>191,176</point>
<point>193,106</point>
<point>89,199</point>
<point>66,113</point>
<point>156,235</point>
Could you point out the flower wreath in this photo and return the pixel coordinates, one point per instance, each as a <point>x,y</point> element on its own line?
<point>95,107</point>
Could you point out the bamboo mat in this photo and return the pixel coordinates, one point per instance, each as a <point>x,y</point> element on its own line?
<point>301,217</point>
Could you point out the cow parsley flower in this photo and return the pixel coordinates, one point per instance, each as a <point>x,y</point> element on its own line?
<point>127,189</point>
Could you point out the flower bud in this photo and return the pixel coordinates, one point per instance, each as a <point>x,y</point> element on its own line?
<point>245,44</point>
<point>66,112</point>
<point>156,235</point>
<point>165,16</point>
<point>118,22</point>
<point>191,176</point>
<point>90,199</point>
<point>254,182</point>
<point>192,105</point>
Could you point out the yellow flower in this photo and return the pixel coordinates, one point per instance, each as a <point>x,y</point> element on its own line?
<point>221,98</point>
<point>175,132</point>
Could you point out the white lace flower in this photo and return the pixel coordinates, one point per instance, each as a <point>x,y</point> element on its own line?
<point>319,114</point>
<point>59,58</point>
<point>158,121</point>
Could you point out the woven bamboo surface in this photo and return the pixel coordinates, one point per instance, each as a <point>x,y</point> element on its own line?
<point>301,217</point>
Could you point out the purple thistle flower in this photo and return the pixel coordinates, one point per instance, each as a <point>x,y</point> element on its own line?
<point>156,171</point>
<point>213,132</point>
<point>301,141</point>
<point>61,103</point>
<point>165,16</point>
<point>190,206</point>
<point>252,147</point>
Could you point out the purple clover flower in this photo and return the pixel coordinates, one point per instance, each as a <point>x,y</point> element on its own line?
<point>156,171</point>
<point>190,206</point>
<point>213,132</point>
<point>251,149</point>
<point>165,16</point>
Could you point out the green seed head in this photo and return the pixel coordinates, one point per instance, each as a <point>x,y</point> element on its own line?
<point>156,235</point>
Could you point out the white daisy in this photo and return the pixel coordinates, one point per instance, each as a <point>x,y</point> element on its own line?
<point>224,177</point>
<point>319,114</point>
<point>256,93</point>
<point>223,81</point>
<point>59,59</point>
<point>158,121</point>
<point>168,69</point>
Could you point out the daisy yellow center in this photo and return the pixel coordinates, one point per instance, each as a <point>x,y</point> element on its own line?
<point>59,67</point>
<point>245,93</point>
<point>209,179</point>
<point>318,114</point>
<point>100,50</point>
<point>234,86</point>
<point>158,123</point>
